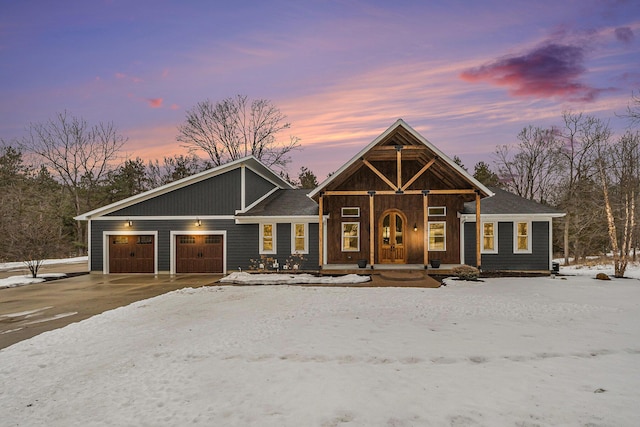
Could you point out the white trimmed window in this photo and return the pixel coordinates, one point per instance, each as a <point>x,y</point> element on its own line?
<point>437,236</point>
<point>350,236</point>
<point>437,211</point>
<point>299,240</point>
<point>350,212</point>
<point>522,237</point>
<point>489,237</point>
<point>267,238</point>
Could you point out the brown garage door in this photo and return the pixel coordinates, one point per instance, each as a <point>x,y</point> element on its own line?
<point>131,254</point>
<point>199,254</point>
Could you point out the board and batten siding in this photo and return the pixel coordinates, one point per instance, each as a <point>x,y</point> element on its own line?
<point>506,259</point>
<point>218,195</point>
<point>255,186</point>
<point>242,240</point>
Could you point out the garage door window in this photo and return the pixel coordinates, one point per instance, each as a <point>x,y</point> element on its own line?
<point>187,240</point>
<point>213,240</point>
<point>120,240</point>
<point>145,240</point>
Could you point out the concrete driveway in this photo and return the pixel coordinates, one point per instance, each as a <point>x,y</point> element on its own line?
<point>27,311</point>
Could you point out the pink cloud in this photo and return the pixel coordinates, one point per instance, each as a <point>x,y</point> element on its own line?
<point>550,70</point>
<point>155,102</point>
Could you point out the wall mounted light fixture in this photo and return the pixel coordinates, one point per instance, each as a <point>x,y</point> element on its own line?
<point>128,223</point>
<point>198,222</point>
<point>415,226</point>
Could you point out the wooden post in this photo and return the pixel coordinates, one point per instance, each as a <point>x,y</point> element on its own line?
<point>372,228</point>
<point>399,162</point>
<point>320,234</point>
<point>425,220</point>
<point>478,232</point>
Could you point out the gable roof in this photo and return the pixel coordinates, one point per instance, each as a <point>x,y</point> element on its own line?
<point>506,203</point>
<point>400,126</point>
<point>284,203</point>
<point>250,161</point>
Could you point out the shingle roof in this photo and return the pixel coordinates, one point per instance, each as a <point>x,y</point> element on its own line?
<point>504,203</point>
<point>284,203</point>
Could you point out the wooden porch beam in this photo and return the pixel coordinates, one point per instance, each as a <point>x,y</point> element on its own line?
<point>380,174</point>
<point>404,147</point>
<point>372,234</point>
<point>399,166</point>
<point>425,232</point>
<point>417,175</point>
<point>390,192</point>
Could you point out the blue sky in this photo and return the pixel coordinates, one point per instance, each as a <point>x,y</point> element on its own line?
<point>468,75</point>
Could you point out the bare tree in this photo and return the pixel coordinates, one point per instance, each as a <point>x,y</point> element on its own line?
<point>577,196</point>
<point>234,128</point>
<point>533,170</point>
<point>174,168</point>
<point>77,154</point>
<point>619,175</point>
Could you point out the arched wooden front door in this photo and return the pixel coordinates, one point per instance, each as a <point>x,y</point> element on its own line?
<point>391,241</point>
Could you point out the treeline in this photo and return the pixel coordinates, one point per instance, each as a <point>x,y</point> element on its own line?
<point>582,168</point>
<point>65,167</point>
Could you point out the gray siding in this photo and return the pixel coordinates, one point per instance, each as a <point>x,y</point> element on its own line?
<point>241,242</point>
<point>506,259</point>
<point>256,186</point>
<point>219,195</point>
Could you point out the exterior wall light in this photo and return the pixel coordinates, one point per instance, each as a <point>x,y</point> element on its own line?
<point>128,223</point>
<point>415,226</point>
<point>198,222</point>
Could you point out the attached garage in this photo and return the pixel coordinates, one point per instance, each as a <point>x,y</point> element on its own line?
<point>131,253</point>
<point>199,253</point>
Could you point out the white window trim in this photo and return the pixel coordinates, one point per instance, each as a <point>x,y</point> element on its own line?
<point>429,236</point>
<point>495,238</point>
<point>342,237</point>
<point>306,238</point>
<point>436,207</point>
<point>274,229</point>
<point>515,238</point>
<point>350,216</point>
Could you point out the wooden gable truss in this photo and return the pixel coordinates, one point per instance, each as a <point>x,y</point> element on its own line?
<point>400,159</point>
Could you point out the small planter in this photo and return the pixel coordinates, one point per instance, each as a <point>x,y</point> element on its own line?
<point>362,263</point>
<point>435,263</point>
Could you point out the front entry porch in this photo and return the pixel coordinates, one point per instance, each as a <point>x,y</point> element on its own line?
<point>443,270</point>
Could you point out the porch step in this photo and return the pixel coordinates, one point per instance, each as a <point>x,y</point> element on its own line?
<point>402,275</point>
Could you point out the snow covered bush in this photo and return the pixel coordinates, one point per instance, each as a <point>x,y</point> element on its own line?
<point>466,272</point>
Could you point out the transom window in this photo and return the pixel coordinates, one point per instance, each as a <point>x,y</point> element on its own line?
<point>351,212</point>
<point>437,210</point>
<point>267,238</point>
<point>438,236</point>
<point>350,236</point>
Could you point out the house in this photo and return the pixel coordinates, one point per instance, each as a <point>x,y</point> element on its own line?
<point>400,200</point>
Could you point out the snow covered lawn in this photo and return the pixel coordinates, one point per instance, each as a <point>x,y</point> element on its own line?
<point>503,352</point>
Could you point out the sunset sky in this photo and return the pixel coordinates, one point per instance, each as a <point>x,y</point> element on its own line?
<point>467,75</point>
